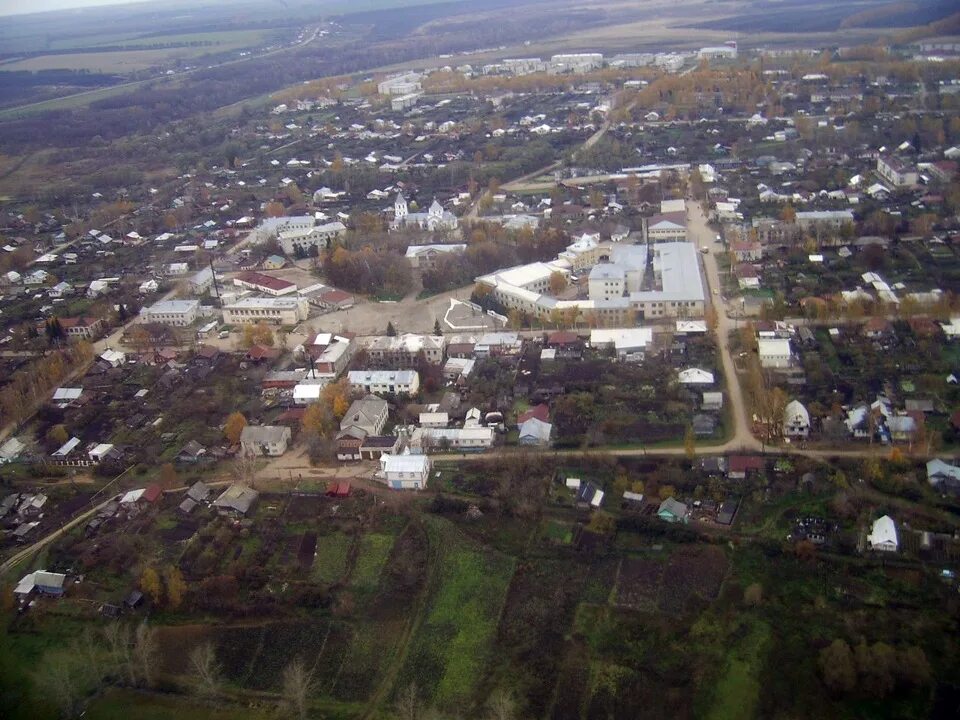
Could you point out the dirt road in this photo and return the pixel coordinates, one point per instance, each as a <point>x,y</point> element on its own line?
<point>703,236</point>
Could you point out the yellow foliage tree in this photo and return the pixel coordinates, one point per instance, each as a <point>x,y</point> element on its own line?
<point>176,586</point>
<point>150,584</point>
<point>234,426</point>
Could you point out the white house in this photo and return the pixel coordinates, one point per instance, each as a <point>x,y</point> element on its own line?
<point>796,420</point>
<point>405,472</point>
<point>695,376</point>
<point>774,352</point>
<point>883,535</point>
<point>272,440</point>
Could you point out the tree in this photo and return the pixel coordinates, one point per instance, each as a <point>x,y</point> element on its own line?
<point>317,419</point>
<point>176,586</point>
<point>407,706</point>
<point>913,667</point>
<point>558,282</point>
<point>273,209</point>
<point>788,215</point>
<point>753,595</point>
<point>57,435</point>
<point>168,476</point>
<point>297,686</point>
<point>502,706</point>
<point>437,330</point>
<point>689,442</point>
<point>150,584</point>
<point>391,330</point>
<point>145,652</point>
<point>837,667</point>
<point>234,426</point>
<point>58,679</point>
<point>258,334</point>
<point>206,669</point>
<point>602,522</point>
<point>666,491</point>
<point>876,665</point>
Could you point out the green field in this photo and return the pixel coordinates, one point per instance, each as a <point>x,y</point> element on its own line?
<point>330,563</point>
<point>374,551</point>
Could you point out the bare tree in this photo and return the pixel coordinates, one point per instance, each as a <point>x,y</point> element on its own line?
<point>57,677</point>
<point>297,686</point>
<point>407,706</point>
<point>145,652</point>
<point>203,662</point>
<point>502,706</point>
<point>119,644</point>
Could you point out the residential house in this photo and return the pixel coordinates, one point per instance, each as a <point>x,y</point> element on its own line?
<point>535,432</point>
<point>943,476</point>
<point>897,171</point>
<point>796,420</point>
<point>566,344</point>
<point>883,535</point>
<point>368,414</point>
<point>774,353</point>
<point>471,438</point>
<point>739,466</point>
<point>673,511</point>
<point>695,376</point>
<point>712,401</point>
<point>349,442</point>
<point>237,500</point>
<point>405,472</point>
<point>258,440</point>
<point>375,446</point>
<point>84,328</point>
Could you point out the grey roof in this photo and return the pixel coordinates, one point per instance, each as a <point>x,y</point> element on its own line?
<point>674,507</point>
<point>263,434</point>
<point>363,412</point>
<point>536,431</point>
<point>237,497</point>
<point>199,491</point>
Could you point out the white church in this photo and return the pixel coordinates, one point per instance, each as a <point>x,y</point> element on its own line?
<point>436,218</point>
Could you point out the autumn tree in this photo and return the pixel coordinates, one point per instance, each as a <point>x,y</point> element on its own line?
<point>602,523</point>
<point>168,476</point>
<point>273,209</point>
<point>150,584</point>
<point>234,426</point>
<point>558,282</point>
<point>176,586</point>
<point>257,334</point>
<point>837,667</point>
<point>57,435</point>
<point>690,442</point>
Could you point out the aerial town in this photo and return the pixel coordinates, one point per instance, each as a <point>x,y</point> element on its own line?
<point>500,384</point>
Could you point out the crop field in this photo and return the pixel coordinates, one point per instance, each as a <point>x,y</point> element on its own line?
<point>453,648</point>
<point>371,558</point>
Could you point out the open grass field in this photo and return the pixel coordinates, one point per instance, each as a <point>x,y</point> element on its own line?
<point>119,61</point>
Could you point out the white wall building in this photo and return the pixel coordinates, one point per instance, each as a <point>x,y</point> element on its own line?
<point>405,472</point>
<point>280,310</point>
<point>774,352</point>
<point>393,382</point>
<point>179,313</point>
